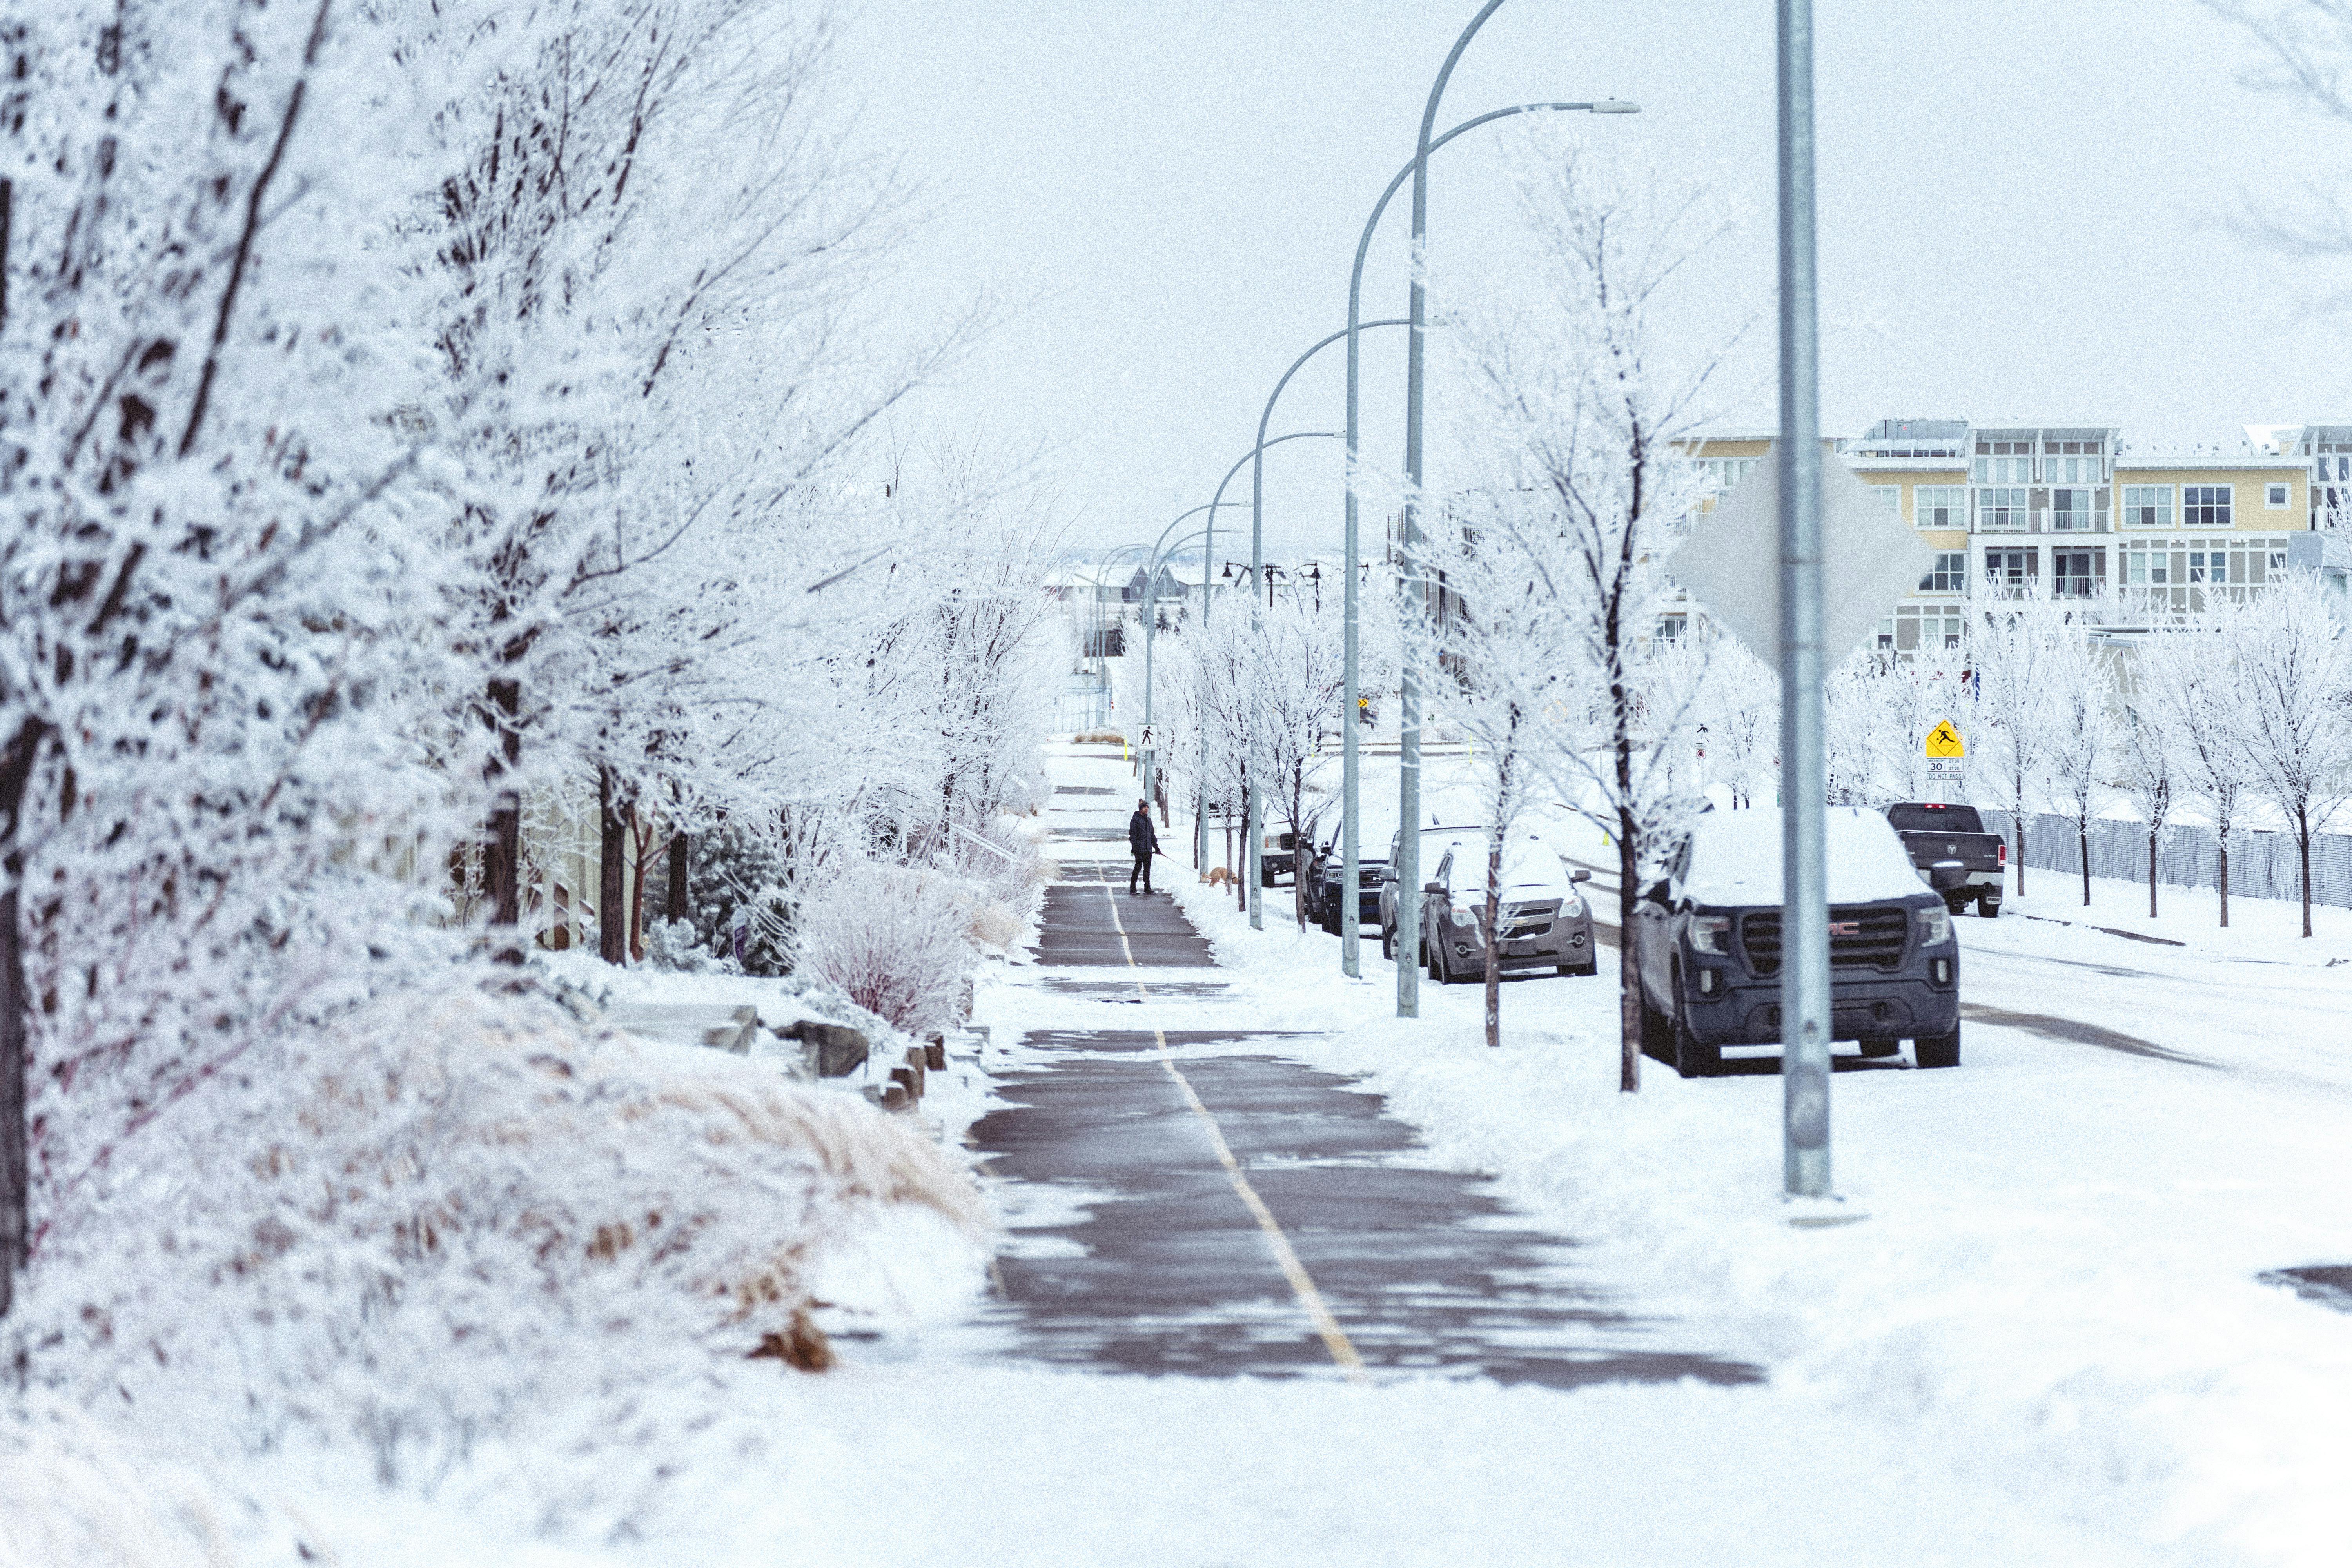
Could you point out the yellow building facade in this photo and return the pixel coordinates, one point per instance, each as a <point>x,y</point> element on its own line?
<point>2071,510</point>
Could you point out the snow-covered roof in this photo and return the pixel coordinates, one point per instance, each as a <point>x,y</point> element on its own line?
<point>1735,858</point>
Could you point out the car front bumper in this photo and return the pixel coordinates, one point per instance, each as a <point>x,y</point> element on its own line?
<point>1569,942</point>
<point>1862,1007</point>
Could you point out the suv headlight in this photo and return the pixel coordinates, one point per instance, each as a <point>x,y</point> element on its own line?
<point>1711,933</point>
<point>1934,926</point>
<point>1464,914</point>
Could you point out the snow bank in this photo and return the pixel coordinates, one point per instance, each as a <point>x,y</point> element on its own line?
<point>455,1209</point>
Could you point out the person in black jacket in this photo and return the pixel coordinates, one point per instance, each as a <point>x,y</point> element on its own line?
<point>1144,842</point>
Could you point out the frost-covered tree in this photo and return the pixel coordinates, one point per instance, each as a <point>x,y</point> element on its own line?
<point>1498,651</point>
<point>2008,650</point>
<point>2144,765</point>
<point>219,538</point>
<point>2295,713</point>
<point>2078,690</point>
<point>2187,688</point>
<point>1576,424</point>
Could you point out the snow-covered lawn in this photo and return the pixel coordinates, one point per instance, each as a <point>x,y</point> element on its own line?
<point>2259,928</point>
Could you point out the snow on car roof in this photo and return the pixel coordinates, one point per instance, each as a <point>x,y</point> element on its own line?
<point>1735,858</point>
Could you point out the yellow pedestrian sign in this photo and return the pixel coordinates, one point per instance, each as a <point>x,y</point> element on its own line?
<point>1944,742</point>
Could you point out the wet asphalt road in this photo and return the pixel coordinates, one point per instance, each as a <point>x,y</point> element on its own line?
<point>1325,1248</point>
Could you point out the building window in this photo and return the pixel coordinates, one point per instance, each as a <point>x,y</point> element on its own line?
<point>1915,626</point>
<point>2147,567</point>
<point>2147,505</point>
<point>2274,496</point>
<point>2071,513</point>
<point>2004,462</point>
<point>1890,497</point>
<point>1723,473</point>
<point>2009,569</point>
<point>2206,506</point>
<point>1949,575</point>
<point>2078,574</point>
<point>2001,509</point>
<point>2073,462</point>
<point>1940,506</point>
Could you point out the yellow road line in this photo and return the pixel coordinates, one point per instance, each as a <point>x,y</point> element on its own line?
<point>1302,1284</point>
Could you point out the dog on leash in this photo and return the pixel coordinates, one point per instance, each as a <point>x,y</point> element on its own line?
<point>1219,877</point>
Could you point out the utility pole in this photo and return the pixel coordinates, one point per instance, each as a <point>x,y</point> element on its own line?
<point>1805,918</point>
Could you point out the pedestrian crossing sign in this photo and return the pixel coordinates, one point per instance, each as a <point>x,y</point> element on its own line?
<point>1944,741</point>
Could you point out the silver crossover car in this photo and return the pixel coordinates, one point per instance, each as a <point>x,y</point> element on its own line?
<point>1546,923</point>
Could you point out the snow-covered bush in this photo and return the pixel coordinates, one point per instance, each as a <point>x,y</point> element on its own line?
<point>893,939</point>
<point>425,1221</point>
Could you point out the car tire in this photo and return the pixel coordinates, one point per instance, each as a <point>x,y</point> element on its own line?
<point>1937,1050</point>
<point>1882,1047</point>
<point>1691,1058</point>
<point>1589,968</point>
<point>1388,944</point>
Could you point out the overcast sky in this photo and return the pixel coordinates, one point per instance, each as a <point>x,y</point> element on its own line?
<point>2022,204</point>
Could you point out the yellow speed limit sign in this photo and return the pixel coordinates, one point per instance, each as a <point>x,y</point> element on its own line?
<point>1944,742</point>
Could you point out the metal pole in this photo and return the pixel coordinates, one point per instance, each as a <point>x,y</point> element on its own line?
<point>1408,938</point>
<point>1208,559</point>
<point>1804,920</point>
<point>1351,699</point>
<point>1151,622</point>
<point>1350,768</point>
<point>1258,538</point>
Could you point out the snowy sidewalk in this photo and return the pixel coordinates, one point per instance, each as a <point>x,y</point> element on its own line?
<point>1229,1211</point>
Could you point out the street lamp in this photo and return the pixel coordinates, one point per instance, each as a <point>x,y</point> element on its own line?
<point>1255,455</point>
<point>1151,615</point>
<point>1258,558</point>
<point>1350,960</point>
<point>1408,867</point>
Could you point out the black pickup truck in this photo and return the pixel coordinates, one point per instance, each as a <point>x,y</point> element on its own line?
<point>1953,852</point>
<point>1706,944</point>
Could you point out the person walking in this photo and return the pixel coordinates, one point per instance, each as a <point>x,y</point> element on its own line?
<point>1144,843</point>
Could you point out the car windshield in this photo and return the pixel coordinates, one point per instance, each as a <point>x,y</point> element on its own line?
<point>1735,858</point>
<point>1530,866</point>
<point>1928,818</point>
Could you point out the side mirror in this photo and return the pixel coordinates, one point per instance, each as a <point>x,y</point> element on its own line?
<point>1433,890</point>
<point>1579,876</point>
<point>1656,892</point>
<point>1947,876</point>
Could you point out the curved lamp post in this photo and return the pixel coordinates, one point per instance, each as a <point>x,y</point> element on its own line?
<point>1253,454</point>
<point>1250,812</point>
<point>1350,963</point>
<point>1151,612</point>
<point>1408,868</point>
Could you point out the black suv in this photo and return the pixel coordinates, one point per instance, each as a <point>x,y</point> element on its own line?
<point>1707,944</point>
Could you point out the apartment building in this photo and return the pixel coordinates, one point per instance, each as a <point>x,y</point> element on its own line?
<point>2071,509</point>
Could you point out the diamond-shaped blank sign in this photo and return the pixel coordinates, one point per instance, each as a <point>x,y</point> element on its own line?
<point>1731,562</point>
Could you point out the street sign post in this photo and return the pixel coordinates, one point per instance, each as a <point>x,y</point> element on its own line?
<point>1803,584</point>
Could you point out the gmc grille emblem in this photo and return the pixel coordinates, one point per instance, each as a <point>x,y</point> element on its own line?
<point>1846,927</point>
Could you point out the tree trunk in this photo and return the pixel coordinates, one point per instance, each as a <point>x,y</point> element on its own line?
<point>1628,972</point>
<point>2225,879</point>
<point>2302,856</point>
<point>15,1170</point>
<point>674,896</point>
<point>641,840</point>
<point>1494,939</point>
<point>612,866</point>
<point>2151,872</point>
<point>2083,839</point>
<point>503,854</point>
<point>2017,831</point>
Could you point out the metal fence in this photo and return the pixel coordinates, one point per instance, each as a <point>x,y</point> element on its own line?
<point>2261,864</point>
